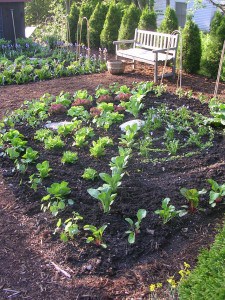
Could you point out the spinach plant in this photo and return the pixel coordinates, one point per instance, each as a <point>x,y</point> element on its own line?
<point>135,226</point>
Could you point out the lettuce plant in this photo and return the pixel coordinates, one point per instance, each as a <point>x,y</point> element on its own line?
<point>56,197</point>
<point>42,134</point>
<point>29,156</point>
<point>98,147</point>
<point>53,142</point>
<point>90,174</point>
<point>69,157</point>
<point>43,169</point>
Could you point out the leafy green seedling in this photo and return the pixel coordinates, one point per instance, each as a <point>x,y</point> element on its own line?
<point>192,195</point>
<point>43,169</point>
<point>90,174</point>
<point>96,236</point>
<point>56,197</point>
<point>69,227</point>
<point>105,195</point>
<point>168,212</point>
<point>69,157</point>
<point>135,226</point>
<point>217,192</point>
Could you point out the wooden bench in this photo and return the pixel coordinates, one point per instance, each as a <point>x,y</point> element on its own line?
<point>150,47</point>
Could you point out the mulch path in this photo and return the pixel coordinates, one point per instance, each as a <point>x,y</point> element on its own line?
<point>28,255</point>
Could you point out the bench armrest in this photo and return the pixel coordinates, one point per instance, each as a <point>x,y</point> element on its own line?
<point>164,50</point>
<point>123,42</point>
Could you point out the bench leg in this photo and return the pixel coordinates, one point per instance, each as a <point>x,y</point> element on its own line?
<point>134,64</point>
<point>156,71</point>
<point>174,69</point>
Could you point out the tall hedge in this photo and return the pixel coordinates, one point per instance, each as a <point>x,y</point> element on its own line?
<point>148,20</point>
<point>170,21</point>
<point>96,23</point>
<point>111,27</point>
<point>192,51</point>
<point>129,22</point>
<point>73,21</point>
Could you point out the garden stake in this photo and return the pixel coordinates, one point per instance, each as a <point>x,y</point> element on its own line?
<point>219,71</point>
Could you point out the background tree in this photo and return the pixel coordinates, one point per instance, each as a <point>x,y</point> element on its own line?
<point>170,21</point>
<point>148,20</point>
<point>191,41</point>
<point>96,23</point>
<point>129,22</point>
<point>37,11</point>
<point>73,21</point>
<point>111,27</point>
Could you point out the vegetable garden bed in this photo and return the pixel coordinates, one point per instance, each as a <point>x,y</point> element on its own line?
<point>173,150</point>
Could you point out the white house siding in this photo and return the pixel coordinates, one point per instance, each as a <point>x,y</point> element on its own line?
<point>202,17</point>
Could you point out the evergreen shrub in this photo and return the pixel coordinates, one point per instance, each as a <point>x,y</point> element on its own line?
<point>111,27</point>
<point>170,21</point>
<point>129,22</point>
<point>96,23</point>
<point>148,20</point>
<point>191,50</point>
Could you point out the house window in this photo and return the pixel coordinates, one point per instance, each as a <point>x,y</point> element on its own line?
<point>181,11</point>
<point>1,24</point>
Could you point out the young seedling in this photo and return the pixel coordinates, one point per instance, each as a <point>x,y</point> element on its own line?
<point>105,195</point>
<point>96,236</point>
<point>90,174</point>
<point>192,196</point>
<point>56,197</point>
<point>135,226</point>
<point>69,227</point>
<point>217,192</point>
<point>69,157</point>
<point>169,212</point>
<point>43,169</point>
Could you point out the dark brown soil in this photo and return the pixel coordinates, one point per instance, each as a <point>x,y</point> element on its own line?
<point>29,250</point>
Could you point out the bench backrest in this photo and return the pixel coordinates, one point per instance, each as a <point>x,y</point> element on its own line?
<point>155,40</point>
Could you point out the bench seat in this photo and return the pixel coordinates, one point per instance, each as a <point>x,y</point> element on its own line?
<point>150,47</point>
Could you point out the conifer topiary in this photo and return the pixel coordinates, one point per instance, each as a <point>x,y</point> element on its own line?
<point>111,27</point>
<point>191,41</point>
<point>73,21</point>
<point>86,10</point>
<point>215,23</point>
<point>213,48</point>
<point>129,22</point>
<point>170,21</point>
<point>96,23</point>
<point>148,20</point>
